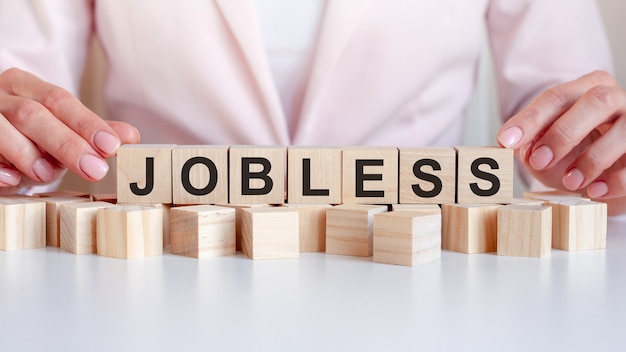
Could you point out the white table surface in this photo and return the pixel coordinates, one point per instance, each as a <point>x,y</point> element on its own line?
<point>52,300</point>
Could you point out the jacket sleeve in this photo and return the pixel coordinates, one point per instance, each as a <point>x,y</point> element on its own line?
<point>537,44</point>
<point>48,38</point>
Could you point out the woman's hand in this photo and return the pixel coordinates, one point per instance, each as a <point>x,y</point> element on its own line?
<point>573,136</point>
<point>45,129</point>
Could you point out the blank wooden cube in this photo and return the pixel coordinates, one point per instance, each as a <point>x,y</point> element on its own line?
<point>200,174</point>
<point>201,231</point>
<point>22,223</point>
<point>553,195</point>
<point>484,175</point>
<point>370,175</point>
<point>423,208</point>
<point>238,215</point>
<point>130,231</point>
<point>524,230</point>
<point>349,229</point>
<point>470,228</point>
<point>314,175</point>
<point>257,175</point>
<point>407,238</point>
<point>78,226</point>
<point>578,224</point>
<point>144,173</point>
<point>53,220</point>
<point>427,175</point>
<point>312,226</point>
<point>270,233</point>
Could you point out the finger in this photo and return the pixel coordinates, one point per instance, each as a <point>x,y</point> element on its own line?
<point>599,156</point>
<point>65,107</point>
<point>529,124</point>
<point>128,134</point>
<point>61,142</point>
<point>9,176</point>
<point>611,183</point>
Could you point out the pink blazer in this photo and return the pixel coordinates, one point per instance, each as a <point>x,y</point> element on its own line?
<point>394,72</point>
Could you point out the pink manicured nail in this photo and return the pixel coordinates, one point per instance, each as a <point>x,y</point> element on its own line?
<point>93,166</point>
<point>43,170</point>
<point>510,136</point>
<point>10,177</point>
<point>597,189</point>
<point>106,142</point>
<point>541,157</point>
<point>573,179</point>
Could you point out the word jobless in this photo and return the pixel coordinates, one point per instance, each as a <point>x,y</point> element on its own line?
<point>178,174</point>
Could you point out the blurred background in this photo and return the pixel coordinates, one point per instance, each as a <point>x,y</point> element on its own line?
<point>483,120</point>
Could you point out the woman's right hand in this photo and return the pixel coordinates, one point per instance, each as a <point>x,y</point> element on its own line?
<point>45,129</point>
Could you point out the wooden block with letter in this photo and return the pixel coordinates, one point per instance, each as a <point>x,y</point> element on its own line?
<point>484,175</point>
<point>144,174</point>
<point>130,231</point>
<point>53,220</point>
<point>578,224</point>
<point>200,174</point>
<point>314,175</point>
<point>470,228</point>
<point>427,175</point>
<point>312,226</point>
<point>238,216</point>
<point>257,175</point>
<point>370,175</point>
<point>78,226</point>
<point>270,233</point>
<point>524,230</point>
<point>349,229</point>
<point>22,223</point>
<point>201,231</point>
<point>407,238</point>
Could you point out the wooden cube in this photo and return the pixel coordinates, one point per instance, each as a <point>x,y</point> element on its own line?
<point>312,219</point>
<point>144,174</point>
<point>314,175</point>
<point>524,230</point>
<point>423,208</point>
<point>130,231</point>
<point>238,216</point>
<point>578,224</point>
<point>105,197</point>
<point>257,175</point>
<point>63,193</point>
<point>407,238</point>
<point>525,201</point>
<point>349,229</point>
<point>484,175</point>
<point>78,226</point>
<point>201,231</point>
<point>370,175</point>
<point>200,174</point>
<point>470,228</point>
<point>270,233</point>
<point>427,175</point>
<point>553,195</point>
<point>22,223</point>
<point>53,220</point>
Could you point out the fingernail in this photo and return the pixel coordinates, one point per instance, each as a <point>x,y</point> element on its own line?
<point>597,189</point>
<point>573,179</point>
<point>10,177</point>
<point>43,170</point>
<point>510,136</point>
<point>541,157</point>
<point>106,142</point>
<point>93,166</point>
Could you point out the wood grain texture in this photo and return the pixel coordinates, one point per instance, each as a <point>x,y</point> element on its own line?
<point>270,233</point>
<point>202,231</point>
<point>407,238</point>
<point>468,182</point>
<point>312,218</point>
<point>200,161</point>
<point>131,169</point>
<point>470,228</point>
<point>524,230</point>
<point>53,220</point>
<point>130,231</point>
<point>276,173</point>
<point>238,216</point>
<point>324,165</point>
<point>424,208</point>
<point>78,226</point>
<point>578,224</point>
<point>376,162</point>
<point>22,223</point>
<point>349,229</point>
<point>438,162</point>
